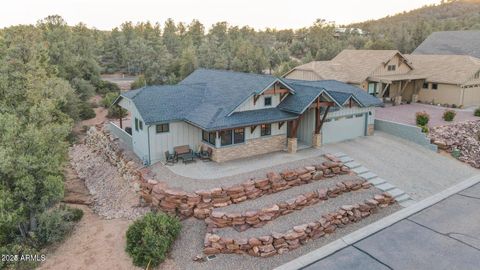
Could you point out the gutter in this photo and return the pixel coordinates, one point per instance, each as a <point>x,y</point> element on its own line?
<point>148,141</point>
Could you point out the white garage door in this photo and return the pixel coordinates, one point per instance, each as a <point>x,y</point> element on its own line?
<point>343,128</point>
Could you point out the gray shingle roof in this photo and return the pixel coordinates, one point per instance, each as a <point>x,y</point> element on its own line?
<point>207,98</point>
<point>451,42</point>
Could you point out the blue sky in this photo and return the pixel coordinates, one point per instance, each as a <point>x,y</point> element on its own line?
<point>106,14</point>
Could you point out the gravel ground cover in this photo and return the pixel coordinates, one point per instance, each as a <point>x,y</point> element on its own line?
<point>271,199</point>
<point>190,244</point>
<point>190,184</point>
<point>306,215</point>
<point>113,197</point>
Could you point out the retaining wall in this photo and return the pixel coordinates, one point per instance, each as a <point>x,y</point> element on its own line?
<point>407,132</point>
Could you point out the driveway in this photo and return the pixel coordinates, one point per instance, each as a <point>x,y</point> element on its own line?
<point>405,114</point>
<point>416,170</point>
<point>443,236</point>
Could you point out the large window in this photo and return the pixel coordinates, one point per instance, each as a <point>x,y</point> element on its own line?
<point>226,137</point>
<point>372,88</point>
<point>239,135</point>
<point>162,128</point>
<point>266,129</point>
<point>392,67</point>
<point>425,85</point>
<point>267,101</point>
<point>136,124</point>
<point>209,137</point>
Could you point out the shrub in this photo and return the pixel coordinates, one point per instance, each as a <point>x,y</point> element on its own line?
<point>422,118</point>
<point>477,112</point>
<point>105,87</point>
<point>425,129</point>
<point>54,225</point>
<point>86,111</point>
<point>449,115</point>
<point>150,238</point>
<point>115,110</point>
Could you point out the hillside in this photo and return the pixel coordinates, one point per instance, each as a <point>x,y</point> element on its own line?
<point>408,29</point>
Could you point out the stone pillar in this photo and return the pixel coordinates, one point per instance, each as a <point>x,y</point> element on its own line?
<point>317,140</point>
<point>397,100</point>
<point>370,129</point>
<point>414,98</point>
<point>292,145</point>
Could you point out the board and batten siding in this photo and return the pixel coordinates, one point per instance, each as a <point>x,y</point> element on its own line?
<point>140,137</point>
<point>307,127</point>
<point>256,133</point>
<point>299,74</point>
<point>471,96</point>
<point>248,105</point>
<point>180,133</point>
<point>401,68</point>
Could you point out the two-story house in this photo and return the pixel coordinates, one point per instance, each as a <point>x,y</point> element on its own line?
<point>239,115</point>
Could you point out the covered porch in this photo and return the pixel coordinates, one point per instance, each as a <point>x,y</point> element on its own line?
<point>396,89</point>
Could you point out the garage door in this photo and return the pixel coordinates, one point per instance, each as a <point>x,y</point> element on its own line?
<point>343,128</point>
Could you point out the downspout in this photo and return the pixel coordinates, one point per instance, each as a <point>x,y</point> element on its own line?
<point>148,141</point>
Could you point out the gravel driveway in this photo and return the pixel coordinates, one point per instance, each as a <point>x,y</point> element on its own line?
<point>418,171</point>
<point>406,114</point>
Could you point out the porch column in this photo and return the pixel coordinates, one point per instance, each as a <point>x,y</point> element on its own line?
<point>121,125</point>
<point>317,137</point>
<point>292,137</point>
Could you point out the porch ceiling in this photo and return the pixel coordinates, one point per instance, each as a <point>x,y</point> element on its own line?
<point>395,78</point>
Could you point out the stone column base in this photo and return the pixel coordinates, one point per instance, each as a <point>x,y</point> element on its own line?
<point>317,140</point>
<point>397,100</point>
<point>414,98</point>
<point>292,145</point>
<point>370,129</point>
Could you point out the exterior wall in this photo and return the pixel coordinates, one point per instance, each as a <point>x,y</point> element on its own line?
<point>256,133</point>
<point>140,137</point>
<point>407,132</point>
<point>249,106</point>
<point>445,94</point>
<point>180,133</point>
<point>307,127</point>
<point>471,96</point>
<point>401,68</point>
<point>121,134</point>
<point>303,75</point>
<point>250,148</point>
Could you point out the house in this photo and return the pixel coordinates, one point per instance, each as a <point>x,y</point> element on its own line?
<point>451,43</point>
<point>450,79</point>
<point>386,74</point>
<point>240,115</point>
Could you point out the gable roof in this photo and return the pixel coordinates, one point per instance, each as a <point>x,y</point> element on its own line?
<point>451,69</point>
<point>206,98</point>
<point>350,66</point>
<point>451,42</point>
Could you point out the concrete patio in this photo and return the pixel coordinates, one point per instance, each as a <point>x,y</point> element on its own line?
<point>405,114</point>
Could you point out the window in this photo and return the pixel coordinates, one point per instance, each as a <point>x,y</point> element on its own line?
<point>392,67</point>
<point>162,128</point>
<point>477,75</point>
<point>425,85</point>
<point>372,88</point>
<point>212,137</point>
<point>434,86</point>
<point>267,101</point>
<point>239,135</point>
<point>266,129</point>
<point>226,137</point>
<point>140,124</point>
<point>136,124</point>
<point>204,136</point>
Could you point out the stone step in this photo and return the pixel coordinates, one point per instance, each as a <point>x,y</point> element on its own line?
<point>407,203</point>
<point>385,186</point>
<point>353,165</point>
<point>360,170</point>
<point>396,192</point>
<point>340,154</point>
<point>377,181</point>
<point>368,175</point>
<point>403,197</point>
<point>346,159</point>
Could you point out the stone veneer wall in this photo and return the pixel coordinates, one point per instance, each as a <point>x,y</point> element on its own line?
<point>258,218</point>
<point>250,148</point>
<point>201,202</point>
<point>279,243</point>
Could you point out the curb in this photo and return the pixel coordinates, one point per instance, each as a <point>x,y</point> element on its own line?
<point>379,225</point>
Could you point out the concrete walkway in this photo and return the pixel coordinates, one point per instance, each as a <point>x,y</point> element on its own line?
<point>414,169</point>
<point>443,236</point>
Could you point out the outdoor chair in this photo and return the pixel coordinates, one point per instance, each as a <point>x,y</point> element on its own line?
<point>170,158</point>
<point>206,154</point>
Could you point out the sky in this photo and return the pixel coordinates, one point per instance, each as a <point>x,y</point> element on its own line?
<point>260,14</point>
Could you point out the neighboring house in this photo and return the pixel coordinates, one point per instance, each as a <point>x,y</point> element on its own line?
<point>451,43</point>
<point>450,79</point>
<point>386,74</point>
<point>240,115</point>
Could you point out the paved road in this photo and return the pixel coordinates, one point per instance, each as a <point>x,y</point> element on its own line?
<point>443,236</point>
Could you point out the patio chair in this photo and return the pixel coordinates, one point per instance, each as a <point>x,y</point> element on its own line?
<point>206,155</point>
<point>170,158</point>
